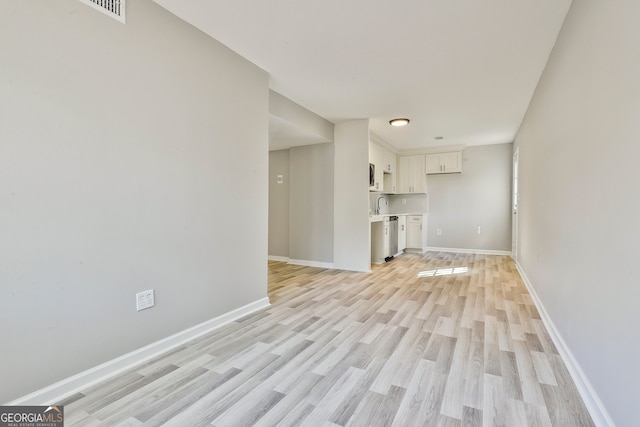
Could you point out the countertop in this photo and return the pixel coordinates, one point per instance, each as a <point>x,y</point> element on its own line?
<point>380,217</point>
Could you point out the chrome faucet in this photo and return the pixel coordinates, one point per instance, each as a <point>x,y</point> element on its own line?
<point>378,204</point>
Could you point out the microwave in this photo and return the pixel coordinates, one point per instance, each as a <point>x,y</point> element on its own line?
<point>372,176</point>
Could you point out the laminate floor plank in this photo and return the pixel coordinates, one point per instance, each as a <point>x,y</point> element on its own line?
<point>412,410</point>
<point>474,382</point>
<point>544,371</point>
<point>435,339</point>
<point>150,394</point>
<point>163,410</point>
<point>471,417</point>
<point>366,411</point>
<point>452,402</point>
<point>531,391</point>
<point>291,401</point>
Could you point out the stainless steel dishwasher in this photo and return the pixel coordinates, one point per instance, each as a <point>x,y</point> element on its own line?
<point>393,238</point>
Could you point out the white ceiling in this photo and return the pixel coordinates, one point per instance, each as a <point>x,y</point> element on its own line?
<point>461,69</point>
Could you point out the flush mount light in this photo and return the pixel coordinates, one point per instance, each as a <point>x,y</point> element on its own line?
<point>399,122</point>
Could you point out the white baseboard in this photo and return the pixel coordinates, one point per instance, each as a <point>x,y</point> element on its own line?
<point>414,251</point>
<point>594,405</point>
<point>304,262</point>
<point>469,251</point>
<point>69,386</point>
<point>311,263</point>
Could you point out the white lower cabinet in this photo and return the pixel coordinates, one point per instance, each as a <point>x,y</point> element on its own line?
<point>416,233</point>
<point>402,233</point>
<point>379,241</point>
<point>411,236</point>
<point>386,250</point>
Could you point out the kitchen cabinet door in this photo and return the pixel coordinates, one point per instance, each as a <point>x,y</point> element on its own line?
<point>389,162</point>
<point>412,175</point>
<point>416,233</point>
<point>419,174</point>
<point>376,156</point>
<point>433,163</point>
<point>444,163</point>
<point>386,249</point>
<point>451,162</point>
<point>380,247</point>
<point>405,183</point>
<point>402,232</point>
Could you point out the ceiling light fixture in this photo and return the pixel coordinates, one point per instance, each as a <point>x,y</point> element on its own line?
<point>399,122</point>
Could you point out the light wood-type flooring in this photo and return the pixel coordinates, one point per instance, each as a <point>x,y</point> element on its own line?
<point>438,339</point>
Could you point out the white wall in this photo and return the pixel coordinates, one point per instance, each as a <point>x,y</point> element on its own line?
<point>279,203</point>
<point>351,231</point>
<point>409,203</point>
<point>131,157</point>
<point>480,196</point>
<point>292,125</point>
<point>580,198</point>
<point>311,203</point>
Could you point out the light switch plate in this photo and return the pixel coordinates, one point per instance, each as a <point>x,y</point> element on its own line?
<point>145,299</point>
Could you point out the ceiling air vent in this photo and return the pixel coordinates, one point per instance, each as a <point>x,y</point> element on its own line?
<point>113,8</point>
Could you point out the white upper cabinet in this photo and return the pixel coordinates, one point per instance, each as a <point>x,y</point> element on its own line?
<point>450,162</point>
<point>390,176</point>
<point>433,163</point>
<point>412,174</point>
<point>376,156</point>
<point>389,162</point>
<point>385,176</point>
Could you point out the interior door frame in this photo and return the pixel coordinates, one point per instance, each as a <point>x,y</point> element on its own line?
<point>514,204</point>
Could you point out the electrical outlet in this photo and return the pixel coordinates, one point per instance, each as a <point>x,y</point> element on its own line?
<point>478,229</point>
<point>145,299</point>
<point>404,201</point>
<point>439,232</point>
